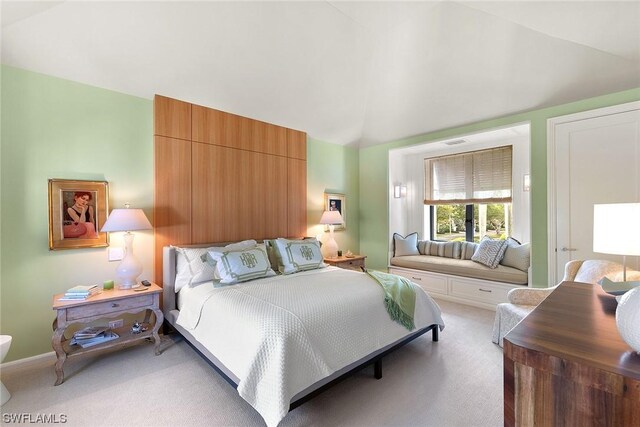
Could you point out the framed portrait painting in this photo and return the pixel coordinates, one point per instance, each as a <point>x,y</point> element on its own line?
<point>77,212</point>
<point>336,202</point>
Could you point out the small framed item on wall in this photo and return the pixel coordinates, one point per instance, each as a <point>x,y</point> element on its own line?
<point>336,202</point>
<point>77,212</point>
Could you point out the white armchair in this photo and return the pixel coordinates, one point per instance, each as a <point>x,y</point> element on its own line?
<point>523,301</point>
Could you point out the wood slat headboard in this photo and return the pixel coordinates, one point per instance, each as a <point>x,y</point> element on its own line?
<point>223,177</point>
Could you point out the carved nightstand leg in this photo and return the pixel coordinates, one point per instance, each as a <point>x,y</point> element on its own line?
<point>156,327</point>
<point>56,342</point>
<point>147,316</point>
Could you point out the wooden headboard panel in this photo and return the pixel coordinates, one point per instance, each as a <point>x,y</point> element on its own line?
<point>222,177</point>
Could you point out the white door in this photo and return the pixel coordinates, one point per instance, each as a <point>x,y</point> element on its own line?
<point>597,160</point>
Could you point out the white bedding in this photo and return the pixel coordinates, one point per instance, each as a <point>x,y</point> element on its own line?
<point>281,334</point>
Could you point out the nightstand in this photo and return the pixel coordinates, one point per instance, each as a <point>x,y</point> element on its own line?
<point>354,263</point>
<point>109,304</point>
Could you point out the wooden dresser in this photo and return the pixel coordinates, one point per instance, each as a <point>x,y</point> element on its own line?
<point>566,365</point>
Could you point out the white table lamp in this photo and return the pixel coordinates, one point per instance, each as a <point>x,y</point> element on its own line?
<point>616,230</point>
<point>127,220</point>
<point>330,218</point>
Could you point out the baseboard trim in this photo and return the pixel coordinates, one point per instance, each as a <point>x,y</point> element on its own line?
<point>30,362</point>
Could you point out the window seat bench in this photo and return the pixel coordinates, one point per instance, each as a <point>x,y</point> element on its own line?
<point>460,280</point>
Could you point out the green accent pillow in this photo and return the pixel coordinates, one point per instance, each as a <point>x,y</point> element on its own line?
<point>241,265</point>
<point>298,255</point>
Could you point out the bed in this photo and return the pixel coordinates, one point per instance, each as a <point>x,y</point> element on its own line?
<point>281,340</point>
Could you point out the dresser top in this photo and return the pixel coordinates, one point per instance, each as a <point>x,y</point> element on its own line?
<point>577,323</point>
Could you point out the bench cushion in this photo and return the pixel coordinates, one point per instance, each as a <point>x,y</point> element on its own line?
<point>460,267</point>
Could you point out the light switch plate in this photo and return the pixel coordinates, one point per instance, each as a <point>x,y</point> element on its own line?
<point>116,254</point>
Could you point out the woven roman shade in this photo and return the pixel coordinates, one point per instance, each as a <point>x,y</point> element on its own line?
<point>482,176</point>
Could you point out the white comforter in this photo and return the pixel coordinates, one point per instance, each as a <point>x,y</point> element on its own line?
<point>279,335</point>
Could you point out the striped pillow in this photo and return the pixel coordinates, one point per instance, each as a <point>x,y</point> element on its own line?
<point>467,249</point>
<point>443,249</point>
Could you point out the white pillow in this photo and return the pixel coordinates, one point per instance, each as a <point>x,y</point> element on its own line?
<point>190,268</point>
<point>517,255</point>
<point>403,246</point>
<point>298,255</point>
<point>241,265</point>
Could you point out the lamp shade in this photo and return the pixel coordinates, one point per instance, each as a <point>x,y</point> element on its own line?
<point>616,229</point>
<point>331,217</point>
<point>126,220</point>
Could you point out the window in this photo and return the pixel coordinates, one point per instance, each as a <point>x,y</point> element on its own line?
<point>458,222</point>
<point>468,195</point>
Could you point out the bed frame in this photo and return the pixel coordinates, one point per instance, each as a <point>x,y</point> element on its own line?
<point>171,311</point>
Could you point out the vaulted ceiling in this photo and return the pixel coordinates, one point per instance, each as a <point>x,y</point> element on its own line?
<point>358,73</point>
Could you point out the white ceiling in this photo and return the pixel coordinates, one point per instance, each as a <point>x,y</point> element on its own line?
<point>345,72</point>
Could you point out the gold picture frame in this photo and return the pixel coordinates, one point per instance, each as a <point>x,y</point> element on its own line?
<point>336,201</point>
<point>77,211</point>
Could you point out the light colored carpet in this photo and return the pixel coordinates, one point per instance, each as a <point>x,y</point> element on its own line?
<point>454,382</point>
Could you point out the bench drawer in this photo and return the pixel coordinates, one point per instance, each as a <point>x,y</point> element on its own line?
<point>100,308</point>
<point>485,292</point>
<point>428,282</point>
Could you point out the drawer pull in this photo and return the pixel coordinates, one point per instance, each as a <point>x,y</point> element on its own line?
<point>416,278</point>
<point>484,290</point>
<point>114,305</point>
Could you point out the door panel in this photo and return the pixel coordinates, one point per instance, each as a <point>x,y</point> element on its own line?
<point>597,161</point>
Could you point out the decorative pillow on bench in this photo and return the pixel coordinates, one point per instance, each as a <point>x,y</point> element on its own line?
<point>517,255</point>
<point>403,246</point>
<point>490,252</point>
<point>443,249</point>
<point>467,249</point>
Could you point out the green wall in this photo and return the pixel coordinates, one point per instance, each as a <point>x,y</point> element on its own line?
<point>55,128</point>
<point>333,169</point>
<point>374,229</point>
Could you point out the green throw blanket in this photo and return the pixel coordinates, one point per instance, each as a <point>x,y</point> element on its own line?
<point>399,297</point>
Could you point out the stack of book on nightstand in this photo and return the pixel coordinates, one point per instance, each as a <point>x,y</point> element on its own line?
<point>79,293</point>
<point>93,335</point>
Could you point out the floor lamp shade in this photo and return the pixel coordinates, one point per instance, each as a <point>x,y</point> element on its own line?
<point>330,247</point>
<point>127,220</point>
